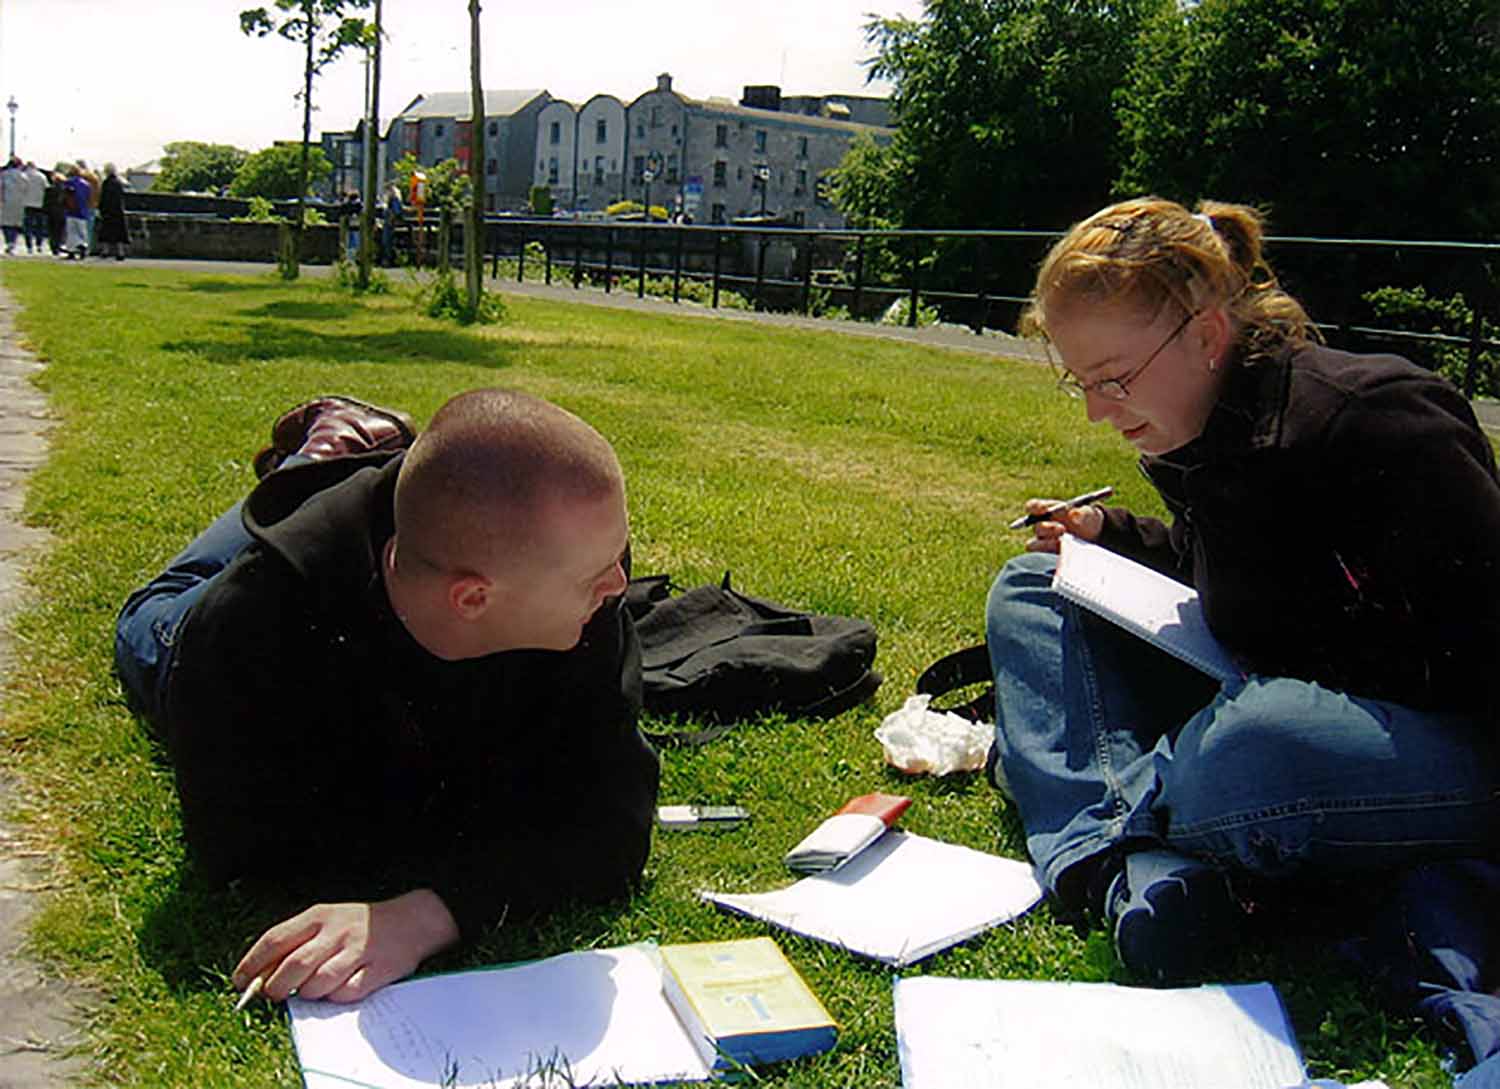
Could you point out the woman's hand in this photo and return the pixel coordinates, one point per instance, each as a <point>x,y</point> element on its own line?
<point>1085,522</point>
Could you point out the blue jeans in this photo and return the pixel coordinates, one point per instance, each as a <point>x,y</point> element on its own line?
<point>147,627</point>
<point>1107,741</point>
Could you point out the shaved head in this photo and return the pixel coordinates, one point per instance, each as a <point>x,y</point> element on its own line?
<point>476,487</point>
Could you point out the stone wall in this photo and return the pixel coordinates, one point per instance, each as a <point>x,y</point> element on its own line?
<point>222,240</point>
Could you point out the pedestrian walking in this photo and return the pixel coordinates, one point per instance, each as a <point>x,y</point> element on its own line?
<point>114,236</point>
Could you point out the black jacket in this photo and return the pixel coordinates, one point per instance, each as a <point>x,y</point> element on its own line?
<point>1340,518</point>
<point>318,746</point>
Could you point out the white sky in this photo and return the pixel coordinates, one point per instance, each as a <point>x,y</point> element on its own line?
<point>114,80</point>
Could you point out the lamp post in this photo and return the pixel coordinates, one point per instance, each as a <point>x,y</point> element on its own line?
<point>763,176</point>
<point>12,106</point>
<point>648,175</point>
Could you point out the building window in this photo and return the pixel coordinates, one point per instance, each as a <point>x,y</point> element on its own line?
<point>721,176</point>
<point>490,166</point>
<point>640,131</point>
<point>760,140</point>
<point>554,137</point>
<point>721,136</point>
<point>601,131</point>
<point>672,169</point>
<point>494,128</point>
<point>655,116</point>
<point>599,168</point>
<point>552,170</point>
<point>638,167</point>
<point>801,182</point>
<point>438,131</point>
<point>674,132</point>
<point>739,173</point>
<point>718,213</point>
<point>802,147</point>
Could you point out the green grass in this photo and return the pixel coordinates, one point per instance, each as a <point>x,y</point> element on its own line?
<point>842,474</point>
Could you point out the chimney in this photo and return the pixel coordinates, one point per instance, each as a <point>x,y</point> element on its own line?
<point>664,81</point>
<point>762,97</point>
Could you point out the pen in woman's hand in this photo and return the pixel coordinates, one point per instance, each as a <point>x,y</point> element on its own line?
<point>1053,511</point>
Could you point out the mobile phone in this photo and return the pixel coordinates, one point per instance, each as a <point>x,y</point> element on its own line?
<point>701,816</point>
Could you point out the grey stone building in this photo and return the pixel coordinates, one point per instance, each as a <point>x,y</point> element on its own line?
<point>713,160</point>
<point>437,127</point>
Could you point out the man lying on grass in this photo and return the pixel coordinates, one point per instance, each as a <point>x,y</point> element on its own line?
<point>399,683</point>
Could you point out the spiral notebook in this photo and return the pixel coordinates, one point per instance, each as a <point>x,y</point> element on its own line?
<point>1159,609</point>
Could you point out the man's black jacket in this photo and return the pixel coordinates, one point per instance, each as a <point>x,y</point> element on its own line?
<point>318,746</point>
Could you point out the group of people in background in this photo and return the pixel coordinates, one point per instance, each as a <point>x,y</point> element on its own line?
<point>68,211</point>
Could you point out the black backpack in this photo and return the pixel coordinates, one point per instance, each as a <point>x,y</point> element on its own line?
<point>716,654</point>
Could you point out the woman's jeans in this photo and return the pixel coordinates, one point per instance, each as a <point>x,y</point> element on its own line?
<point>1107,741</point>
<point>147,627</point>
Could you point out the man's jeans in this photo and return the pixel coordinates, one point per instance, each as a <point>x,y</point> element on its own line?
<point>1106,740</point>
<point>147,627</point>
<point>35,222</point>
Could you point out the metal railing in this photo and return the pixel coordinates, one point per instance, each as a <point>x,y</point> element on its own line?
<point>977,278</point>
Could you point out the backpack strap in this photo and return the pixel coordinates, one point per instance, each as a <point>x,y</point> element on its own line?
<point>961,669</point>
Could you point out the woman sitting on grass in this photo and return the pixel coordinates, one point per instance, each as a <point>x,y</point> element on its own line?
<point>1338,514</point>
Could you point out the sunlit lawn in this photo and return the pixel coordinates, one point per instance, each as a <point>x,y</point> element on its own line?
<point>842,474</point>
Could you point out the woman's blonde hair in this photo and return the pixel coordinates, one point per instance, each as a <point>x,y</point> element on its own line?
<point>1148,251</point>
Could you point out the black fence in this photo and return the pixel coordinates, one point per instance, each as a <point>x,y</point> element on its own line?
<point>981,278</point>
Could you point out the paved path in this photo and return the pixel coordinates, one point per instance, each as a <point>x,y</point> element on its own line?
<point>37,1014</point>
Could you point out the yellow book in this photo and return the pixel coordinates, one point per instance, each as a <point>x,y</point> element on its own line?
<point>743,1002</point>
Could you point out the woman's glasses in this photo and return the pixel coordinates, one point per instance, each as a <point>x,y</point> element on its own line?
<point>1115,389</point>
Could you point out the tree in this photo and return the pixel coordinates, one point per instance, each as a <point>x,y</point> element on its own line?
<point>448,193</point>
<point>1348,117</point>
<point>280,172</point>
<point>1004,109</point>
<point>372,157</point>
<point>193,166</point>
<point>474,228</point>
<point>325,32</point>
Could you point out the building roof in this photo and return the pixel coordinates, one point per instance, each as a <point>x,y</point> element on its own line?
<point>455,104</point>
<point>750,113</point>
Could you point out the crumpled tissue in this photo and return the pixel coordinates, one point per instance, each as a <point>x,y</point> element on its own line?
<point>918,740</point>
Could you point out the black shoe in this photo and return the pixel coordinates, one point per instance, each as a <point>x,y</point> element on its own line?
<point>1172,917</point>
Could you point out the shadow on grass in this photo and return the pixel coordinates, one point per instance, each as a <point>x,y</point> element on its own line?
<point>265,340</point>
<point>261,282</point>
<point>303,311</point>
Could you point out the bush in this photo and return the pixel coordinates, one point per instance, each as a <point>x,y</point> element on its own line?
<point>634,208</point>
<point>1413,310</point>
<point>445,299</point>
<point>541,200</point>
<point>346,276</point>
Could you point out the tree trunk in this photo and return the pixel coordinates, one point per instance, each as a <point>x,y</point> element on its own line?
<point>293,268</point>
<point>372,162</point>
<point>474,229</point>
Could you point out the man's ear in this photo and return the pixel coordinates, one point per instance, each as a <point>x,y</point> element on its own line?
<point>470,595</point>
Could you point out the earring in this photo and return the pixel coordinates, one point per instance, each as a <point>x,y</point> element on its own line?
<point>1213,364</point>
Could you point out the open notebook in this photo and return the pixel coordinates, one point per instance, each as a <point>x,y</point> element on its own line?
<point>630,1015</point>
<point>900,900</point>
<point>1159,609</point>
<point>1025,1034</point>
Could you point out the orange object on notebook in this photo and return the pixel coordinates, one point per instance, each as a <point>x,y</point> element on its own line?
<point>888,807</point>
<point>857,824</point>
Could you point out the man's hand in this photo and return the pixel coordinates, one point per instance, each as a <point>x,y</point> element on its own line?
<point>1086,522</point>
<point>342,952</point>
